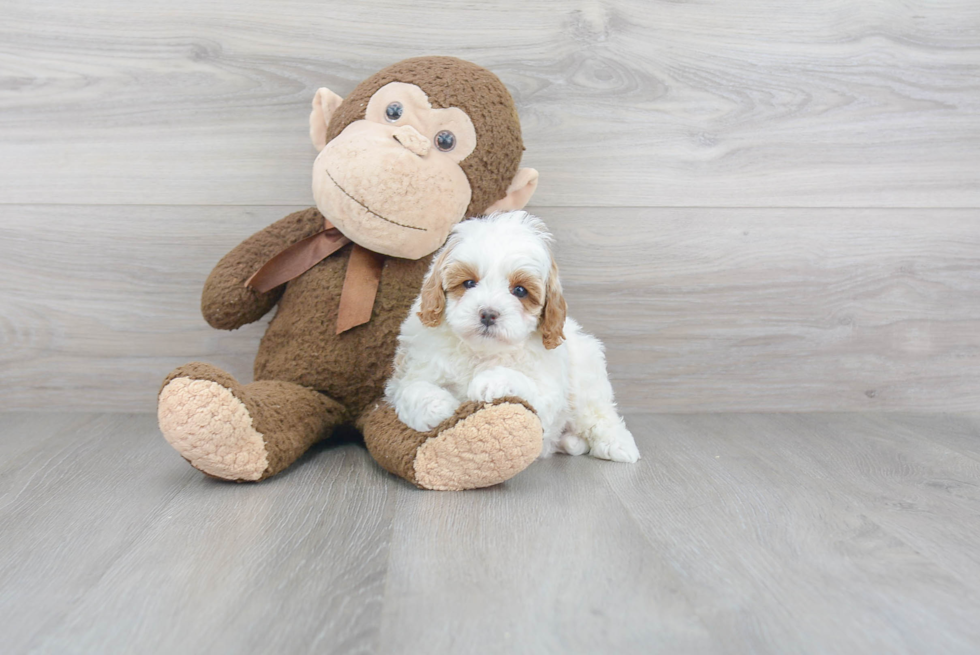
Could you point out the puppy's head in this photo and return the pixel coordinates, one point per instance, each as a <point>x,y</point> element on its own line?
<point>495,282</point>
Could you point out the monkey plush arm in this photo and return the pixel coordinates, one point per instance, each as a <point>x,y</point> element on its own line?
<point>227,304</point>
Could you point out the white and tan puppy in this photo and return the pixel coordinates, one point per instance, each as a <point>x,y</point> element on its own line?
<point>490,322</point>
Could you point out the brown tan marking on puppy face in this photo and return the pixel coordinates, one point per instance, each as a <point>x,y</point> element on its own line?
<point>496,283</point>
<point>533,301</point>
<point>458,278</point>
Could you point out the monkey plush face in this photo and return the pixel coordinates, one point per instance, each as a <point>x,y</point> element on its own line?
<point>413,150</point>
<point>392,181</point>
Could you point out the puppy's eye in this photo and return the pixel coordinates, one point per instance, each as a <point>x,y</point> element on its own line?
<point>519,291</point>
<point>469,284</point>
<point>445,141</point>
<point>394,111</point>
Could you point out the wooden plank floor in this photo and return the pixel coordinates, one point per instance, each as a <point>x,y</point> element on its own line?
<point>766,533</point>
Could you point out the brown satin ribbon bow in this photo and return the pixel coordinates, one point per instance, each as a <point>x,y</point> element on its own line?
<point>360,282</point>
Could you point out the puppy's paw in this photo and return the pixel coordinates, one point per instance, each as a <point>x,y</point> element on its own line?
<point>499,382</point>
<point>616,445</point>
<point>572,444</point>
<point>428,410</point>
<point>616,452</point>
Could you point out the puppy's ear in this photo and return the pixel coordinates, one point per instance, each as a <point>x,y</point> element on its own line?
<point>433,295</point>
<point>553,315</point>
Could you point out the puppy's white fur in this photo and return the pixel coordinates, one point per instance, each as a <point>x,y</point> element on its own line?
<point>447,353</point>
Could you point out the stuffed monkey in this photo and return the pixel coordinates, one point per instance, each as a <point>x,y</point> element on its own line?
<point>411,151</point>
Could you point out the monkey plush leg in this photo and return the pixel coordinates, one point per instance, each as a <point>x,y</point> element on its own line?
<point>241,432</point>
<point>481,445</point>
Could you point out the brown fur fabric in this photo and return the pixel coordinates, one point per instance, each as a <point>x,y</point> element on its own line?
<point>202,371</point>
<point>451,82</point>
<point>393,444</point>
<point>298,417</point>
<point>301,345</point>
<point>289,417</point>
<point>227,304</point>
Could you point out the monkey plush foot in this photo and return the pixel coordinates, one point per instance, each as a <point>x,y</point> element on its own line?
<point>483,444</point>
<point>210,426</point>
<point>241,432</point>
<point>487,447</point>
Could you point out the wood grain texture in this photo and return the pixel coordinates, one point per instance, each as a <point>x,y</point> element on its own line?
<point>701,310</point>
<point>780,310</point>
<point>624,103</point>
<point>829,519</point>
<point>138,144</point>
<point>503,570</point>
<point>98,303</point>
<point>736,533</point>
<point>108,536</point>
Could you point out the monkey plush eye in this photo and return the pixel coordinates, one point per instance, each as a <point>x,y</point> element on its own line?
<point>445,141</point>
<point>519,291</point>
<point>394,111</point>
<point>469,284</point>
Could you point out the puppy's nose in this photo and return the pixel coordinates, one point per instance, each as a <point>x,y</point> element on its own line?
<point>488,317</point>
<point>409,137</point>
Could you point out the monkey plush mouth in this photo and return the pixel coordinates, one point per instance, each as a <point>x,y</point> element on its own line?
<point>368,209</point>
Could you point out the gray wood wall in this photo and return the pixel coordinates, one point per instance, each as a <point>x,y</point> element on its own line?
<point>759,205</point>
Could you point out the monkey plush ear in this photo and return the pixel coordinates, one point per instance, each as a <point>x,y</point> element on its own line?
<point>518,193</point>
<point>325,102</point>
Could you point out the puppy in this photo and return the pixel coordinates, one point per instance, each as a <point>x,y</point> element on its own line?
<point>490,322</point>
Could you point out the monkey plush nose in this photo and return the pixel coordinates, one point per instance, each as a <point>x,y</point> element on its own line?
<point>488,317</point>
<point>409,137</point>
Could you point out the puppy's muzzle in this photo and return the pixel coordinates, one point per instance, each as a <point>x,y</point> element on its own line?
<point>488,317</point>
